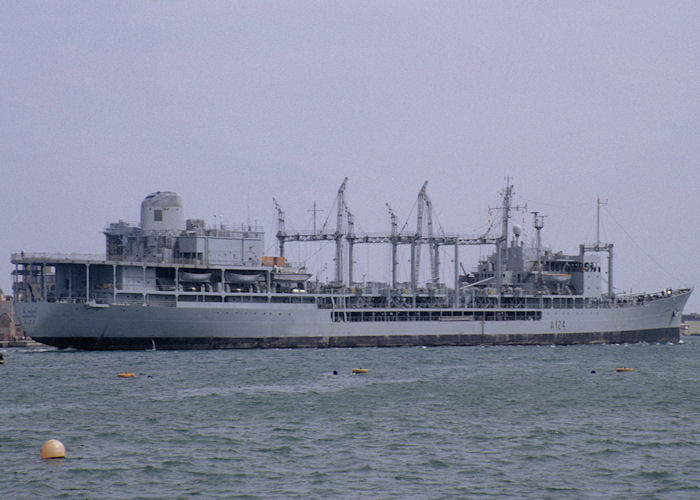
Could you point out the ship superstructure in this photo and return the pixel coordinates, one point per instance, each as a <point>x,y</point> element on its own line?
<point>169,282</point>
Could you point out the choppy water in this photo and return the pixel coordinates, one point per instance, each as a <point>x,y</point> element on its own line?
<point>452,422</point>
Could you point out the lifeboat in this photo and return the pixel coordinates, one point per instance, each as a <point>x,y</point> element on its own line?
<point>186,276</point>
<point>289,275</point>
<point>551,278</point>
<point>232,277</point>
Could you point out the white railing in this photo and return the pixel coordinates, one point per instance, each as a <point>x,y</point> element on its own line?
<point>56,257</point>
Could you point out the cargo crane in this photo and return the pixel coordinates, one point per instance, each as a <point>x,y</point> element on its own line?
<point>281,233</point>
<point>424,210</point>
<point>394,245</point>
<point>339,233</point>
<point>346,231</point>
<point>323,235</point>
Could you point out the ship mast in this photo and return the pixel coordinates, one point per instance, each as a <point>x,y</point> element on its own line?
<point>416,245</point>
<point>602,247</point>
<point>424,210</point>
<point>394,245</point>
<point>351,239</point>
<point>539,224</point>
<point>315,211</point>
<point>500,261</point>
<point>597,220</point>
<point>281,232</point>
<point>434,245</point>
<point>502,244</point>
<point>339,233</point>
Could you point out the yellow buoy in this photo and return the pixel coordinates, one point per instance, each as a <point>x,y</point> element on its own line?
<point>53,448</point>
<point>625,369</point>
<point>126,375</point>
<point>360,370</point>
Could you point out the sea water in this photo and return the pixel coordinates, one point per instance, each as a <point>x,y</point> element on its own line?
<point>448,422</point>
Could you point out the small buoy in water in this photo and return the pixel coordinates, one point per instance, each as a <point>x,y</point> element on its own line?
<point>126,375</point>
<point>360,370</point>
<point>625,369</point>
<point>53,448</point>
<point>335,372</point>
<point>592,371</point>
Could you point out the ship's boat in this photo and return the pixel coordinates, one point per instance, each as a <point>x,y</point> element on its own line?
<point>199,277</point>
<point>551,278</point>
<point>242,279</point>
<point>291,276</point>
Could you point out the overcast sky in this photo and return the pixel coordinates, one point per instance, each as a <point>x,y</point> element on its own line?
<point>232,103</point>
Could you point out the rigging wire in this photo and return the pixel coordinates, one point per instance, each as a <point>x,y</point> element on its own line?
<point>639,247</point>
<point>322,246</point>
<point>408,218</point>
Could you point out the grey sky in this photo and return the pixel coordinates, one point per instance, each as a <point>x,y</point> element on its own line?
<point>232,103</point>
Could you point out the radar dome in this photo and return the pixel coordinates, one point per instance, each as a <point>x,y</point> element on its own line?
<point>162,211</point>
<point>517,230</point>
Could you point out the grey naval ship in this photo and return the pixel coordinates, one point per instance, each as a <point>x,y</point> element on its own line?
<point>172,283</point>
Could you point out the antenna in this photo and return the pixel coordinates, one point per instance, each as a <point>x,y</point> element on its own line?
<point>315,211</point>
<point>597,221</point>
<point>248,206</point>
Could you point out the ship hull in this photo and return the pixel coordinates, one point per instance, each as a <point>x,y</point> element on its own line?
<point>226,326</point>
<point>170,343</point>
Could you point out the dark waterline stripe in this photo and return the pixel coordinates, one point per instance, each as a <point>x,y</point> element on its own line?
<point>428,340</point>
